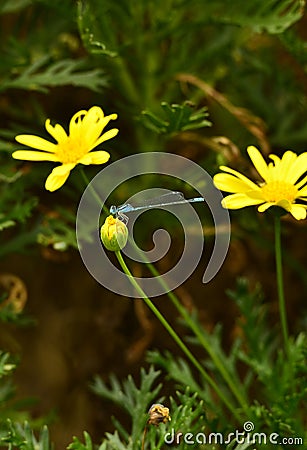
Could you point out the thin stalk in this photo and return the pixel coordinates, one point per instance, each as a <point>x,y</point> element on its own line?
<point>202,339</point>
<point>280,285</point>
<point>144,436</point>
<point>175,336</point>
<point>126,82</point>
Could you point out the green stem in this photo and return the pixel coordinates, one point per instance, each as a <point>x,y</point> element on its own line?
<point>202,339</point>
<point>280,285</point>
<point>128,86</point>
<point>174,335</point>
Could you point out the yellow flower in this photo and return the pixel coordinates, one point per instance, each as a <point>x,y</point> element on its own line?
<point>283,184</point>
<point>85,130</point>
<point>114,234</point>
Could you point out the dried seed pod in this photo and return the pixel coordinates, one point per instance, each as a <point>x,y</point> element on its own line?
<point>158,414</point>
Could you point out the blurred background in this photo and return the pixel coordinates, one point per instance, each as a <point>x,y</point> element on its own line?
<point>195,78</point>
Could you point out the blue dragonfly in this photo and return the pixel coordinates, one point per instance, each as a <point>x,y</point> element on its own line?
<point>169,199</point>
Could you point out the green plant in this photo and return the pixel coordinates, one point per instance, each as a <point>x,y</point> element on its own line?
<point>195,78</point>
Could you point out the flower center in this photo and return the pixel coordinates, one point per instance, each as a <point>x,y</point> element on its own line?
<point>275,191</point>
<point>70,151</point>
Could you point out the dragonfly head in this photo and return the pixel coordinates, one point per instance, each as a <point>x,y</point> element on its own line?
<point>113,210</point>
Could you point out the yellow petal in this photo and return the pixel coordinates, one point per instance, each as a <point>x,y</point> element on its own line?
<point>298,168</point>
<point>56,131</point>
<point>99,157</point>
<point>75,122</point>
<point>301,183</point>
<point>259,162</point>
<point>92,125</point>
<point>284,203</point>
<point>93,116</point>
<point>285,165</point>
<point>256,195</point>
<point>265,206</point>
<point>92,133</point>
<point>105,137</point>
<point>230,183</point>
<point>302,192</point>
<point>99,119</point>
<point>107,119</point>
<point>31,155</point>
<point>237,201</point>
<point>239,175</point>
<point>88,124</point>
<point>58,177</point>
<point>36,142</point>
<point>273,173</point>
<point>275,158</point>
<point>298,211</point>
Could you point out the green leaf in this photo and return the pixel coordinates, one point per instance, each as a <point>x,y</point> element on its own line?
<point>78,445</point>
<point>129,396</point>
<point>273,16</point>
<point>176,118</point>
<point>15,205</point>
<point>22,210</point>
<point>114,442</point>
<point>135,401</point>
<point>38,77</point>
<point>92,27</point>
<point>23,437</point>
<point>44,439</point>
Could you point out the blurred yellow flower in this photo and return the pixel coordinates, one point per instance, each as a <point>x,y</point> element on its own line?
<point>85,130</point>
<point>284,183</point>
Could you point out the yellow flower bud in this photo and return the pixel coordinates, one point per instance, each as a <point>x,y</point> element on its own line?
<point>114,234</point>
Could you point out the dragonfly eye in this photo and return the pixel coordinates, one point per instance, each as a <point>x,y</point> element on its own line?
<point>113,209</point>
